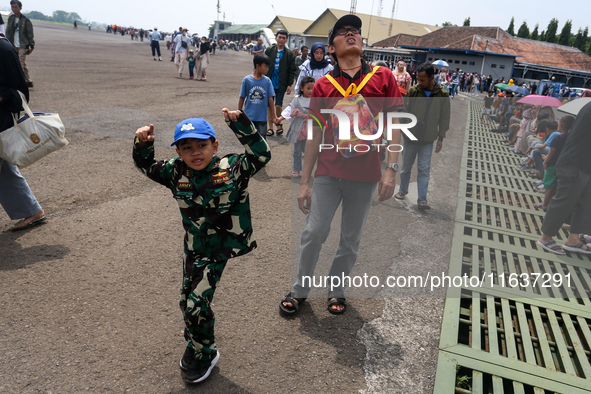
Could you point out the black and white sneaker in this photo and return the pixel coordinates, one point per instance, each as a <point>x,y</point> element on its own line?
<point>199,370</point>
<point>187,359</point>
<point>524,168</point>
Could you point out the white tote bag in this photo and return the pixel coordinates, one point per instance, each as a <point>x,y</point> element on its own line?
<point>34,136</point>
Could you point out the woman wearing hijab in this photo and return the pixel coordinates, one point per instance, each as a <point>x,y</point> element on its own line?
<point>202,59</point>
<point>316,66</point>
<point>402,77</point>
<point>521,146</point>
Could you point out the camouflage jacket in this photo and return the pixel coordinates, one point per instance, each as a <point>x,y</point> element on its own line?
<point>214,202</point>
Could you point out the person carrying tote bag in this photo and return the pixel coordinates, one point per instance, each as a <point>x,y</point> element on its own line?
<point>32,137</point>
<point>16,197</point>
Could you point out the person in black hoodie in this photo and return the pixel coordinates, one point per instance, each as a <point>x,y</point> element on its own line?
<point>573,193</point>
<point>16,197</point>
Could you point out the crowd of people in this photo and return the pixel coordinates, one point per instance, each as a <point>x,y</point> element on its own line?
<point>554,157</point>
<point>212,192</point>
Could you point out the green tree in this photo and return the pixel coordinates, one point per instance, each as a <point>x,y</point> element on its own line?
<point>511,28</point>
<point>446,24</point>
<point>60,16</point>
<point>542,36</point>
<point>211,29</point>
<point>74,17</point>
<point>534,34</point>
<point>37,15</point>
<point>523,30</point>
<point>580,40</point>
<point>466,22</point>
<point>564,38</point>
<point>550,35</point>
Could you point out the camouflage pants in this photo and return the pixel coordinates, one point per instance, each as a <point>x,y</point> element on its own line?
<point>200,279</point>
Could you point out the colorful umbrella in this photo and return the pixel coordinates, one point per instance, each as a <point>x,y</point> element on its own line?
<point>545,101</point>
<point>501,86</point>
<point>573,107</point>
<point>440,63</point>
<point>518,89</point>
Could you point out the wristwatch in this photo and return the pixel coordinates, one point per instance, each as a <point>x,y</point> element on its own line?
<point>393,166</point>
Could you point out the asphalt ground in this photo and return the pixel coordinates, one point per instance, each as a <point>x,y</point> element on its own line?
<point>89,300</point>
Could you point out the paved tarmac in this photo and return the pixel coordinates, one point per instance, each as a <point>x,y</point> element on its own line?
<point>89,300</point>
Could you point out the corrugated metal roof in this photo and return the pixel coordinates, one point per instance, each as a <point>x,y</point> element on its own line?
<point>243,29</point>
<point>374,28</point>
<point>496,40</point>
<point>397,40</point>
<point>292,25</point>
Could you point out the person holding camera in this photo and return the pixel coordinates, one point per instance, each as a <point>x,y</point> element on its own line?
<point>430,103</point>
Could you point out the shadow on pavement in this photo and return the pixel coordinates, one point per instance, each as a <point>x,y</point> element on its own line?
<point>340,332</point>
<point>214,384</point>
<point>14,256</point>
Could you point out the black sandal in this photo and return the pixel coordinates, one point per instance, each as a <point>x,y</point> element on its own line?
<point>336,301</point>
<point>290,310</point>
<point>270,132</point>
<point>279,129</point>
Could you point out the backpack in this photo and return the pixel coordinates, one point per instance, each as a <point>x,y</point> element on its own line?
<point>353,104</point>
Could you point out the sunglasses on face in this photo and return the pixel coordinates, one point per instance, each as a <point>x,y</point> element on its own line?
<point>344,30</point>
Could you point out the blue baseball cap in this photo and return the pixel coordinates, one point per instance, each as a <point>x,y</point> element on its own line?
<point>193,128</point>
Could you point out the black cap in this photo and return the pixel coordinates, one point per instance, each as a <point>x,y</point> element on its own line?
<point>347,20</point>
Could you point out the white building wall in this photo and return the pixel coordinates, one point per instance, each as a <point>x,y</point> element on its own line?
<point>497,66</point>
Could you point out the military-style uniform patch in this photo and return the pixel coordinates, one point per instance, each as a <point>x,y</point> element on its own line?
<point>220,177</point>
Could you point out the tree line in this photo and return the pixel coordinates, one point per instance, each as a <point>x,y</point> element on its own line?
<point>58,16</point>
<point>580,40</point>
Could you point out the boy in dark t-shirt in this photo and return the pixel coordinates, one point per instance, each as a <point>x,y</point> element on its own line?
<point>488,102</point>
<point>550,162</point>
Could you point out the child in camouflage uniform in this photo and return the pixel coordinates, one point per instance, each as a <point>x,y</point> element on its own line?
<point>213,199</point>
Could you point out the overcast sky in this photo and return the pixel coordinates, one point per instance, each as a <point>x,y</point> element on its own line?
<point>198,15</point>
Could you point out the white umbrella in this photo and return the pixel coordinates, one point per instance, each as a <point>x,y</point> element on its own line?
<point>440,63</point>
<point>574,106</point>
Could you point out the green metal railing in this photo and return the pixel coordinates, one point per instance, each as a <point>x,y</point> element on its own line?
<point>505,335</point>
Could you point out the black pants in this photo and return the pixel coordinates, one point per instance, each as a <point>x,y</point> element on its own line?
<point>155,47</point>
<point>573,196</point>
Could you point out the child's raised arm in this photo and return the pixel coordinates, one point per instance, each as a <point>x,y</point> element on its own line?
<point>257,152</point>
<point>145,134</point>
<point>143,157</point>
